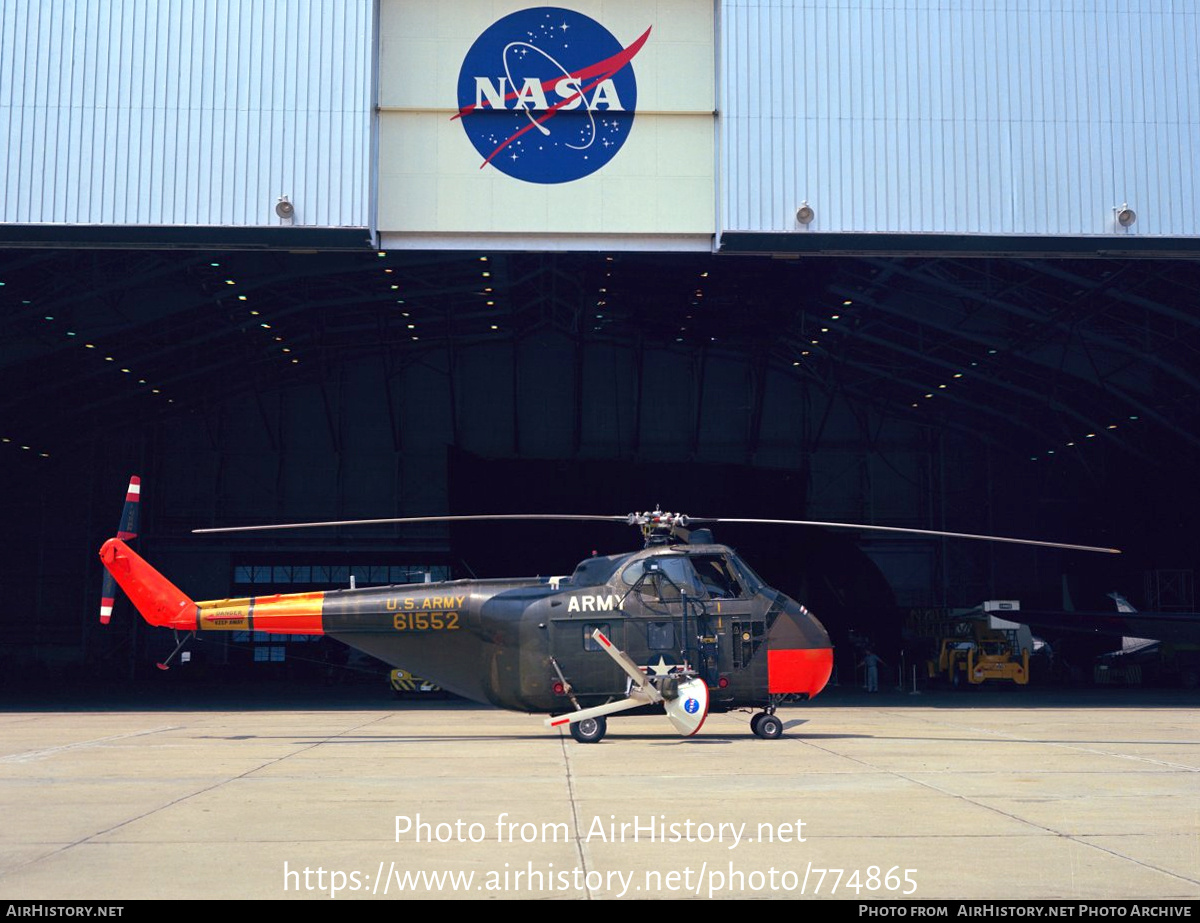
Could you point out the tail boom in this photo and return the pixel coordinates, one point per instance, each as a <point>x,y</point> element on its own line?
<point>163,604</point>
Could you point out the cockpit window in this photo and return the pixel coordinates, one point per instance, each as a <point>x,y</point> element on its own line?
<point>664,577</point>
<point>716,576</point>
<point>750,580</point>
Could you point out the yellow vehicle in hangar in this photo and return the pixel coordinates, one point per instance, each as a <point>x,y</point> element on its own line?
<point>984,647</point>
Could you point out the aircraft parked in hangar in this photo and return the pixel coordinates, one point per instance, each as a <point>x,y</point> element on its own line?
<point>683,626</point>
<point>1126,622</point>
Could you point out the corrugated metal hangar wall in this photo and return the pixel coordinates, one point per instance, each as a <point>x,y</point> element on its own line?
<point>276,385</point>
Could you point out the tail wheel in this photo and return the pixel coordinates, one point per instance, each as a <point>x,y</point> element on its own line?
<point>589,730</point>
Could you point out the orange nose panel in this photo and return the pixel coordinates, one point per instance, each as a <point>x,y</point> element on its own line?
<point>799,670</point>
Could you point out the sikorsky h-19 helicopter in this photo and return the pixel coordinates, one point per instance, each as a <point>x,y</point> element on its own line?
<point>683,626</point>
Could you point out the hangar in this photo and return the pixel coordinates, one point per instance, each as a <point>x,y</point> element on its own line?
<point>939,271</point>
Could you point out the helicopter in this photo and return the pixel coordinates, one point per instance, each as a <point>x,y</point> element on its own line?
<point>682,627</point>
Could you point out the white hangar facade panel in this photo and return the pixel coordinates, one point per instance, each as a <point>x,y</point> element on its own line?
<point>152,122</point>
<point>1011,118</point>
<point>581,126</point>
<point>1008,126</point>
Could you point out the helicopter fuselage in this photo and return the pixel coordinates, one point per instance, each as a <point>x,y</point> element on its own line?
<point>528,645</point>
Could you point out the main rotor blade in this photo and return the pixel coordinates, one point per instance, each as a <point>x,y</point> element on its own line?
<point>624,520</point>
<point>861,525</point>
<point>637,519</point>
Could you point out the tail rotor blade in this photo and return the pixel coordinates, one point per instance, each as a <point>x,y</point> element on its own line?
<point>126,531</point>
<point>108,591</point>
<point>129,514</point>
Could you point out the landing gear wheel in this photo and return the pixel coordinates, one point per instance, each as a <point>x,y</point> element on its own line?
<point>589,730</point>
<point>754,723</point>
<point>768,727</point>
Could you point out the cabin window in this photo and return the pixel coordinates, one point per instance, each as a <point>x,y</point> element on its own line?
<point>660,636</point>
<point>590,643</point>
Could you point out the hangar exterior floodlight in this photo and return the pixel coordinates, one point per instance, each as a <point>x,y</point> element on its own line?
<point>1125,215</point>
<point>805,213</point>
<point>285,209</point>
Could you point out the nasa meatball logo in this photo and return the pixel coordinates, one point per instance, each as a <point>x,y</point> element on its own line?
<point>548,95</point>
<point>691,706</point>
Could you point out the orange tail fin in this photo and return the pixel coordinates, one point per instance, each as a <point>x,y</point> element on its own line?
<point>158,600</point>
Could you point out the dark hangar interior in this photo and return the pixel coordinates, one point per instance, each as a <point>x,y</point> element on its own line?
<point>1051,398</point>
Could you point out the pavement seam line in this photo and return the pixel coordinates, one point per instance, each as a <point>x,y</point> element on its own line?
<point>183,798</point>
<point>29,756</point>
<point>1067,836</point>
<point>562,740</point>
